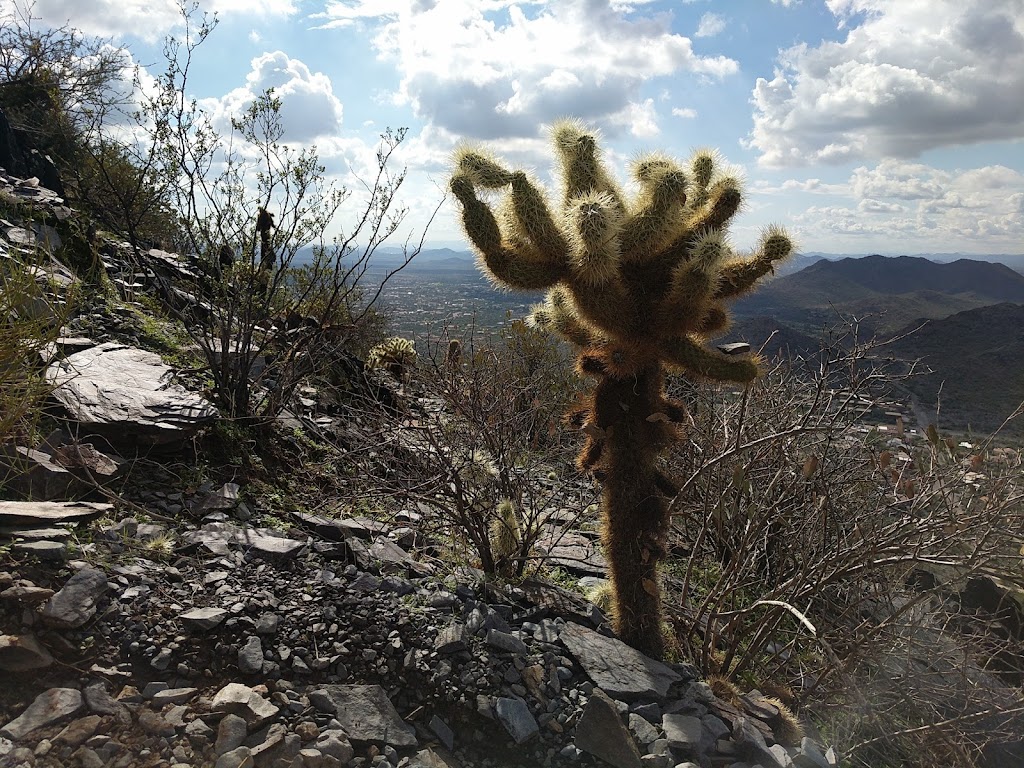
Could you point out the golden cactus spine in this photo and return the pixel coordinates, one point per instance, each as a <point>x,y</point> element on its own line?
<point>395,355</point>
<point>638,286</point>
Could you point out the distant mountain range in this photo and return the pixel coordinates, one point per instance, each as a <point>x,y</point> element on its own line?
<point>971,310</point>
<point>883,293</point>
<point>963,320</point>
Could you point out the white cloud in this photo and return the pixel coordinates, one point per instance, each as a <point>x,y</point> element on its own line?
<point>491,69</point>
<point>148,19</point>
<point>684,112</point>
<point>309,108</point>
<point>810,186</point>
<point>710,25</point>
<point>876,206</point>
<point>641,120</point>
<point>918,208</point>
<point>913,75</point>
<point>785,3</point>
<point>896,179</point>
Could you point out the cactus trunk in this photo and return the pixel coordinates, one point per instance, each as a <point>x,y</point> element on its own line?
<point>634,511</point>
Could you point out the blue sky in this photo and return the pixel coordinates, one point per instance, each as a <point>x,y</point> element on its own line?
<point>891,126</point>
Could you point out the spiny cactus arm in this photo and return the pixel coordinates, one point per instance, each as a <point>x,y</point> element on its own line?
<point>741,275</point>
<point>724,200</point>
<point>533,220</point>
<point>558,314</point>
<point>520,268</point>
<point>654,221</point>
<point>582,171</point>
<point>688,354</point>
<point>594,222</point>
<point>482,169</point>
<point>702,168</point>
<point>692,290</point>
<point>715,321</point>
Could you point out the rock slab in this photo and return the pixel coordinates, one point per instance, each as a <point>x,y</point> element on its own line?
<point>365,714</point>
<point>121,391</point>
<point>601,733</point>
<point>48,708</point>
<point>515,715</point>
<point>622,672</point>
<point>75,603</point>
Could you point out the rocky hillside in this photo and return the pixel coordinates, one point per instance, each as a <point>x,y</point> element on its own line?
<point>975,362</point>
<point>181,589</point>
<point>892,291</point>
<point>151,616</point>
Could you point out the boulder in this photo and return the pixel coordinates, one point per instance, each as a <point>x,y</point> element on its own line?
<point>75,603</point>
<point>21,653</point>
<point>32,513</point>
<point>601,733</point>
<point>124,394</point>
<point>365,714</point>
<point>621,671</point>
<point>49,707</point>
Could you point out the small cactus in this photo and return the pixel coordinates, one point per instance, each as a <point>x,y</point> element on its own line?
<point>786,727</point>
<point>453,356</point>
<point>506,538</point>
<point>639,286</point>
<point>603,596</point>
<point>395,355</point>
<point>725,689</point>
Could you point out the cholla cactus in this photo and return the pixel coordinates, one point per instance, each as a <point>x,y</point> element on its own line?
<point>396,355</point>
<point>506,538</point>
<point>453,356</point>
<point>638,285</point>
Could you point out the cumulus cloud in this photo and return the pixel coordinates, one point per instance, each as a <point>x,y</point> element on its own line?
<point>309,108</point>
<point>909,76</point>
<point>710,25</point>
<point>493,69</point>
<point>921,208</point>
<point>876,206</point>
<point>811,186</point>
<point>148,19</point>
<point>896,179</point>
<point>684,112</point>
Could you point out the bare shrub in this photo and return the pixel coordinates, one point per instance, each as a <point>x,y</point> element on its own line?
<point>816,540</point>
<point>482,454</point>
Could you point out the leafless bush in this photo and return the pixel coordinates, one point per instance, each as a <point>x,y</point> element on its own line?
<point>804,538</point>
<point>482,452</point>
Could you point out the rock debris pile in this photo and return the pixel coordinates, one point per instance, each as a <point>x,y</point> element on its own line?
<point>258,648</point>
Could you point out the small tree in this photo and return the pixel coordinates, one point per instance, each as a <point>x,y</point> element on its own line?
<point>638,286</point>
<point>249,204</point>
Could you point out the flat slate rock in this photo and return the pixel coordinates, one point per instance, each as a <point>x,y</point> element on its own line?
<point>75,603</point>
<point>219,537</point>
<point>601,733</point>
<point>365,714</point>
<point>241,700</point>
<point>515,716</point>
<point>619,670</point>
<point>574,552</point>
<point>49,707</point>
<point>19,653</point>
<point>47,512</point>
<point>203,619</point>
<point>124,393</point>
